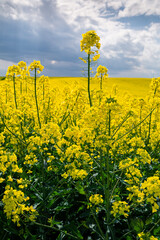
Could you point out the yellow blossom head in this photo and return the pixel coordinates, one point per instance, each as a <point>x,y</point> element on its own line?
<point>89,40</point>
<point>13,71</point>
<point>36,65</point>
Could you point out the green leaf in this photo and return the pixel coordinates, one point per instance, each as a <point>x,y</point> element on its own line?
<point>148,220</point>
<point>129,238</point>
<point>60,236</point>
<point>156,231</point>
<point>80,208</point>
<point>50,203</point>
<point>71,228</point>
<point>137,224</point>
<point>80,189</point>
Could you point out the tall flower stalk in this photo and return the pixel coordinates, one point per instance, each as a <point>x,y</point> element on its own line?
<point>14,87</point>
<point>90,44</point>
<point>37,67</point>
<point>13,72</point>
<point>24,74</point>
<point>35,92</point>
<point>102,74</point>
<point>89,95</point>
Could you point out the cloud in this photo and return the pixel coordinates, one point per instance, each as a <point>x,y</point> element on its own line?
<point>50,31</point>
<point>20,10</point>
<point>53,62</point>
<point>134,8</point>
<point>133,48</point>
<point>4,65</point>
<point>80,13</point>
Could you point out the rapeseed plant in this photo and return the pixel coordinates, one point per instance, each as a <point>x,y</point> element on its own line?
<point>61,159</point>
<point>102,73</point>
<point>89,41</point>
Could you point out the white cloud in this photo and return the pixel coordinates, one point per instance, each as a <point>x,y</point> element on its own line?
<point>118,40</point>
<point>115,4</point>
<point>5,64</point>
<point>24,2</point>
<point>53,62</point>
<point>149,56</point>
<point>68,19</point>
<point>20,9</point>
<point>16,3</point>
<point>75,11</point>
<point>136,8</point>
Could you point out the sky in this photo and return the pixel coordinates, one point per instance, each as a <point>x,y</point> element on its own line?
<point>51,30</point>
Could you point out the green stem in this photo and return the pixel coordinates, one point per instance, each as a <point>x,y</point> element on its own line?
<point>140,130</point>
<point>65,116</point>
<point>103,179</point>
<point>35,91</point>
<point>96,220</point>
<point>98,225</point>
<point>89,95</point>
<point>107,193</point>
<point>14,86</point>
<point>109,123</point>
<point>6,95</point>
<point>43,91</point>
<point>20,87</point>
<point>26,86</point>
<point>56,229</point>
<point>120,125</point>
<point>101,82</point>
<point>44,194</point>
<point>149,130</point>
<point>16,136</point>
<point>134,126</point>
<point>154,225</point>
<point>108,177</point>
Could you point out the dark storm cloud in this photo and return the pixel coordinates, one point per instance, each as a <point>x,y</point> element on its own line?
<point>50,31</point>
<point>51,39</point>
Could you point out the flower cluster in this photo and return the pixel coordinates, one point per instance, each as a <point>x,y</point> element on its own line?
<point>143,236</point>
<point>120,208</point>
<point>96,199</point>
<point>89,40</point>
<point>36,65</point>
<point>14,205</point>
<point>102,71</point>
<point>77,151</point>
<point>13,70</point>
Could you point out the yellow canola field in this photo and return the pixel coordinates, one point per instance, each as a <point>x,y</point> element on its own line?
<point>139,87</point>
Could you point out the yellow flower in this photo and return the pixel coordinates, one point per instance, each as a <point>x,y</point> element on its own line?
<point>96,57</point>
<point>10,179</point>
<point>14,206</point>
<point>153,238</point>
<point>101,70</point>
<point>22,65</point>
<point>121,208</point>
<point>36,65</point>
<point>1,180</point>
<point>143,236</point>
<point>90,39</point>
<point>64,175</point>
<point>83,60</point>
<point>13,70</point>
<point>96,199</point>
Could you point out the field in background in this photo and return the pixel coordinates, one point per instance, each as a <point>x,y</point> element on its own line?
<point>139,87</point>
<point>136,86</point>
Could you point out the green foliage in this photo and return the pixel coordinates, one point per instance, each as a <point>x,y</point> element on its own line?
<point>71,171</point>
<point>137,225</point>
